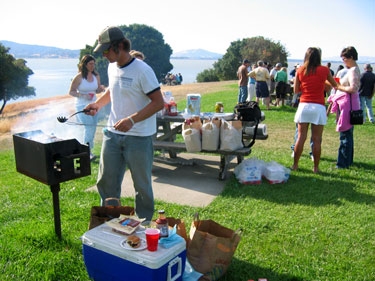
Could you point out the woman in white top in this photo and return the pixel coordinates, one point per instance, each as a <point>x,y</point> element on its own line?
<point>84,87</point>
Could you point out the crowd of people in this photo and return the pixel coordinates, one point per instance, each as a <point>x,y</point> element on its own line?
<point>316,91</point>
<point>173,79</point>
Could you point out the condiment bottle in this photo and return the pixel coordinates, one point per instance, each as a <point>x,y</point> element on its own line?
<point>219,107</point>
<point>172,107</point>
<point>162,224</point>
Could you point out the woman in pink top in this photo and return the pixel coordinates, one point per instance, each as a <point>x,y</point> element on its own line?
<point>310,81</point>
<point>346,92</point>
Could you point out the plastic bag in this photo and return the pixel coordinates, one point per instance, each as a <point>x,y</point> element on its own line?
<point>231,135</point>
<point>249,171</point>
<point>275,172</point>
<point>211,135</point>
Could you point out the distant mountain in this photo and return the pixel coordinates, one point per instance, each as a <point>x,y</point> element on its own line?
<point>196,54</point>
<point>36,51</point>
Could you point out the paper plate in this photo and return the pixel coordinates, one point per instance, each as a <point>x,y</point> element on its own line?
<point>128,247</point>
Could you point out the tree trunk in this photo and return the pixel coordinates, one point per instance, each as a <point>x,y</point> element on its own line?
<point>2,107</point>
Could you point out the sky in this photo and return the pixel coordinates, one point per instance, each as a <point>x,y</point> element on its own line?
<point>198,24</point>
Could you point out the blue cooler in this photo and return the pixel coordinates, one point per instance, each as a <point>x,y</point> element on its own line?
<point>107,257</point>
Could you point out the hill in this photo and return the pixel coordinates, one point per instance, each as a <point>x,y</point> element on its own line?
<point>35,51</point>
<point>198,54</point>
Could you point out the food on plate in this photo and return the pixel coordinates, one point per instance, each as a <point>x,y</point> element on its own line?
<point>133,241</point>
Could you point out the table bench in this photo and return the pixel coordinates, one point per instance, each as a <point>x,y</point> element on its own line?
<point>226,156</point>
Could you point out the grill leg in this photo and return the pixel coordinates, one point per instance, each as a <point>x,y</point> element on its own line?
<point>55,189</point>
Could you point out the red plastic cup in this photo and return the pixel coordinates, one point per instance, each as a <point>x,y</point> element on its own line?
<point>337,79</point>
<point>152,238</point>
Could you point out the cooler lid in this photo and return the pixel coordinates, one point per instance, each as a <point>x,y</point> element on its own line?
<point>106,240</point>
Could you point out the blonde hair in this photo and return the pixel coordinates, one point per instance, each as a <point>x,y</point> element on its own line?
<point>137,54</point>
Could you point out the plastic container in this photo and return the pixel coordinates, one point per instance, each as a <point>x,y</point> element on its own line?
<point>193,104</point>
<point>105,259</point>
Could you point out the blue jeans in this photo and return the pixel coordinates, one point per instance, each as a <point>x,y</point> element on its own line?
<point>89,128</point>
<point>242,93</point>
<point>118,153</point>
<point>346,149</point>
<point>366,102</point>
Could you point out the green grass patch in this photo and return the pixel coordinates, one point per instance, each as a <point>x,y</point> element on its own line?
<point>314,227</point>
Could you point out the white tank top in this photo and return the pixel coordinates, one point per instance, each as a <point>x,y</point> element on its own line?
<point>87,88</point>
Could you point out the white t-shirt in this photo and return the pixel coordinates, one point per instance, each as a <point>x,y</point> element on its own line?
<point>129,86</point>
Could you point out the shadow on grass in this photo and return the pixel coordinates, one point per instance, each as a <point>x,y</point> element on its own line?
<point>253,272</point>
<point>307,189</point>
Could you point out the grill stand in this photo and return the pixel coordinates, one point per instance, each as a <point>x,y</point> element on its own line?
<point>55,189</point>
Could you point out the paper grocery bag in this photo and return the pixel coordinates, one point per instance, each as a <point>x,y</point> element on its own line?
<point>101,214</point>
<point>211,248</point>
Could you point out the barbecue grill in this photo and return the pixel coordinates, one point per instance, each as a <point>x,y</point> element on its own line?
<point>51,160</point>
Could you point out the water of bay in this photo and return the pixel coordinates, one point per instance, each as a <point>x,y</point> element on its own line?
<point>52,77</point>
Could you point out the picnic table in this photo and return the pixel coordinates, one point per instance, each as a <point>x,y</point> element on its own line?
<point>171,126</point>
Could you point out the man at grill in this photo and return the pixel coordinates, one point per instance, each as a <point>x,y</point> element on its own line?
<point>135,97</point>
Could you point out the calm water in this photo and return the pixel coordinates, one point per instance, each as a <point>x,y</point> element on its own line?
<point>52,77</point>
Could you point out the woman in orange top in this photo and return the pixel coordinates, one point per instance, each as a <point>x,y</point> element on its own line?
<point>310,81</point>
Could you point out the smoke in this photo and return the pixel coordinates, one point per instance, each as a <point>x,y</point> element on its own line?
<point>44,118</point>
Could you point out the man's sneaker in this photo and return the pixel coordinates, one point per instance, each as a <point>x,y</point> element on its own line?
<point>312,156</point>
<point>92,157</point>
<point>292,154</point>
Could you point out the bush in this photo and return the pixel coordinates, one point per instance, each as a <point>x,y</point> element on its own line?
<point>207,75</point>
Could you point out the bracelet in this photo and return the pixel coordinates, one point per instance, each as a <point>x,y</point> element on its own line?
<point>131,120</point>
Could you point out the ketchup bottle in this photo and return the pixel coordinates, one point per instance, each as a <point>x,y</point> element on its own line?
<point>162,224</point>
<point>172,107</point>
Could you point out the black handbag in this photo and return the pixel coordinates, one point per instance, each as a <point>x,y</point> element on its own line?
<point>356,116</point>
<point>249,111</point>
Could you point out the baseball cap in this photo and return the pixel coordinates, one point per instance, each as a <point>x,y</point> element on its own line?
<point>107,36</point>
<point>368,66</point>
<point>245,61</point>
<point>279,65</point>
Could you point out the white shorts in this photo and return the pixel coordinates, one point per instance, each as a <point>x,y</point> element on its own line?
<point>311,113</point>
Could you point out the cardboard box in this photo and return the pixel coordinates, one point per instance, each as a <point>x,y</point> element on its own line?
<point>106,259</point>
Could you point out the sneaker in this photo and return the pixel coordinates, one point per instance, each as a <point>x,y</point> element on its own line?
<point>92,157</point>
<point>312,156</point>
<point>292,154</point>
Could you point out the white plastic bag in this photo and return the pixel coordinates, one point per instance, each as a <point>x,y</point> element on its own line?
<point>231,135</point>
<point>192,138</point>
<point>275,172</point>
<point>210,136</point>
<point>249,171</point>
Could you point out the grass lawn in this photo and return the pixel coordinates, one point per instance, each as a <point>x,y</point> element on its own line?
<point>314,227</point>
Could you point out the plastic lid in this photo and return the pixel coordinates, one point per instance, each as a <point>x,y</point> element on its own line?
<point>161,212</point>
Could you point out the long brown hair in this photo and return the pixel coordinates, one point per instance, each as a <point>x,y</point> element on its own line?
<point>313,59</point>
<point>82,67</point>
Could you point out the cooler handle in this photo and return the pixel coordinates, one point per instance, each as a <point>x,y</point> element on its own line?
<point>179,270</point>
<point>87,241</point>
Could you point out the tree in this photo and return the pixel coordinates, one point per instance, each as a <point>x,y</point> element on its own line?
<point>14,78</point>
<point>145,39</point>
<point>253,49</point>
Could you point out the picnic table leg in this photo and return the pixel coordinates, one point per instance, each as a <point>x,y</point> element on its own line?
<point>224,164</point>
<point>166,130</point>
